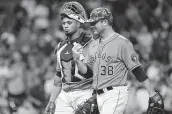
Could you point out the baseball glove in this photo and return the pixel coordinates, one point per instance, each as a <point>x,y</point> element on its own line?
<point>88,107</point>
<point>156,104</point>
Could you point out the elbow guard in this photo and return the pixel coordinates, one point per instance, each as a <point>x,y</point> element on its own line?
<point>139,74</point>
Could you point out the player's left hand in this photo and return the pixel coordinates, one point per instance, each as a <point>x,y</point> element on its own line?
<point>77,51</point>
<point>156,104</point>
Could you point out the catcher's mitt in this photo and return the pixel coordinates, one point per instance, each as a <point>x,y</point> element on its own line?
<point>156,104</point>
<point>88,107</point>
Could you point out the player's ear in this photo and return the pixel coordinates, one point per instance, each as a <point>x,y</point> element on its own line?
<point>105,22</point>
<point>78,24</point>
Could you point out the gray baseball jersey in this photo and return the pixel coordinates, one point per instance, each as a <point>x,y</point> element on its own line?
<point>111,60</point>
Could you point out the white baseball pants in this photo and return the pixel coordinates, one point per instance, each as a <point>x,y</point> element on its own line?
<point>68,101</point>
<point>113,101</point>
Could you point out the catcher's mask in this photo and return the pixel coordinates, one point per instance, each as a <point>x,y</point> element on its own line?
<point>98,14</point>
<point>74,10</point>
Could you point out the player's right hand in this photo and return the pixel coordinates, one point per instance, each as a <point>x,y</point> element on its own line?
<point>77,51</point>
<point>50,108</point>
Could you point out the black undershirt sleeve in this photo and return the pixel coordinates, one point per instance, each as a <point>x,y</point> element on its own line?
<point>139,74</point>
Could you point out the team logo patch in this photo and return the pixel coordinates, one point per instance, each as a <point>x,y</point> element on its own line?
<point>134,58</point>
<point>66,53</point>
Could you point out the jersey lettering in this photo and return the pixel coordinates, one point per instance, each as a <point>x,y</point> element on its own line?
<point>107,58</point>
<point>103,56</point>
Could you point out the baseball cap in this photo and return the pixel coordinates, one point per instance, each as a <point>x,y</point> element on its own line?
<point>75,11</point>
<point>99,13</point>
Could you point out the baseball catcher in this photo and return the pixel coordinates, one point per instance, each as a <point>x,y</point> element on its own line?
<point>72,84</point>
<point>156,105</point>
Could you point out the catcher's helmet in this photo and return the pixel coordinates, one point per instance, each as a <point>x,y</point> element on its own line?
<point>75,11</point>
<point>100,13</point>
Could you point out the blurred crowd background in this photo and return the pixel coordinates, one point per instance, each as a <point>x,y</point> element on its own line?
<point>30,30</point>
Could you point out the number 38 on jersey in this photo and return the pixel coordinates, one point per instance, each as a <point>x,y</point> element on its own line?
<point>107,70</point>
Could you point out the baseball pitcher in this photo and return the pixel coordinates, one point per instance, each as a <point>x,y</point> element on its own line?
<point>112,56</point>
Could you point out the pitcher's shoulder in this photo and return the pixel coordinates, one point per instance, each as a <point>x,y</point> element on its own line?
<point>123,40</point>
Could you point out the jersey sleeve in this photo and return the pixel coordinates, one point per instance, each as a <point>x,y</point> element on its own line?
<point>57,62</point>
<point>58,66</point>
<point>128,55</point>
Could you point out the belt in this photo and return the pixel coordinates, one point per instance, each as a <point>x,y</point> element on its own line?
<point>101,91</point>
